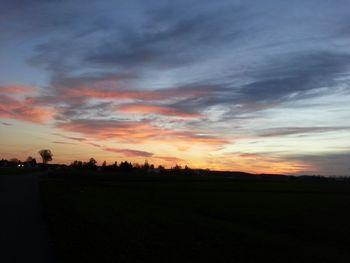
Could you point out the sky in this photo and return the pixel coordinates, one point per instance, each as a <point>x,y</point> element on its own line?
<point>256,86</point>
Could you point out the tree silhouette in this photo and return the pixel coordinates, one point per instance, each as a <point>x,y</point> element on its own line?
<point>14,160</point>
<point>46,155</point>
<point>31,161</point>
<point>92,162</point>
<point>77,163</point>
<point>125,166</point>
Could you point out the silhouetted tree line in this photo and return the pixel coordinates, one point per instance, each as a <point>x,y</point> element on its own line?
<point>14,162</point>
<point>30,162</point>
<point>91,164</point>
<point>128,167</point>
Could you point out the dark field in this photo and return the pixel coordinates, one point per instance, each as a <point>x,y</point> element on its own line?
<point>15,170</point>
<point>196,219</point>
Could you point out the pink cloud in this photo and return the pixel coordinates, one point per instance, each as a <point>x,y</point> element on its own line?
<point>130,131</point>
<point>21,110</point>
<point>149,109</point>
<point>123,94</point>
<point>136,132</point>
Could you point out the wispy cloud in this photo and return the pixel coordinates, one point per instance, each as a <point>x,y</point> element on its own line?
<point>16,89</point>
<point>171,159</point>
<point>6,124</point>
<point>285,131</point>
<point>162,110</point>
<point>136,132</point>
<point>18,109</point>
<point>59,142</point>
<point>128,152</point>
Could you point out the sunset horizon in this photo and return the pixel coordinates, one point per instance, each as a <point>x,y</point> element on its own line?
<point>229,86</point>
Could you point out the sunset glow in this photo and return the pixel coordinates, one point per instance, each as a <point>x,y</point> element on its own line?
<point>235,85</point>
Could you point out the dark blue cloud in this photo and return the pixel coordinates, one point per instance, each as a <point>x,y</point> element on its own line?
<point>331,164</point>
<point>168,36</point>
<point>297,74</point>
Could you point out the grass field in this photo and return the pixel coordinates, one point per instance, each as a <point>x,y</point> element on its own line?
<point>139,219</point>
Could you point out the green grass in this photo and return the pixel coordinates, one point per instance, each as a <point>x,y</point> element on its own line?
<point>197,220</point>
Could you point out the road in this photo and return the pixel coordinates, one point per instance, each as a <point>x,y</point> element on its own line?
<point>23,230</point>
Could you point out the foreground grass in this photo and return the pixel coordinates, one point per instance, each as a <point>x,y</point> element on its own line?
<point>133,219</point>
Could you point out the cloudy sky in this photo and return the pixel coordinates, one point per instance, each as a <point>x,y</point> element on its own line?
<point>259,86</point>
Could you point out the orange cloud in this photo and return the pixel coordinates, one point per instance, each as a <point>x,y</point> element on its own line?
<point>149,109</point>
<point>109,129</point>
<point>137,132</point>
<point>20,110</point>
<point>170,159</point>
<point>121,94</point>
<point>192,137</point>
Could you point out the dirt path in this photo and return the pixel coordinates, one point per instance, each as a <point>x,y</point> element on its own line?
<point>23,231</point>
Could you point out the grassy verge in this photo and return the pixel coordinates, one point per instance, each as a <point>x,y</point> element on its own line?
<point>133,219</point>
